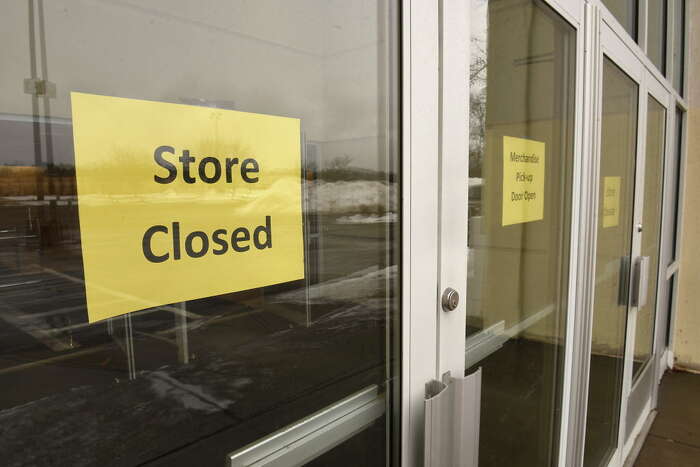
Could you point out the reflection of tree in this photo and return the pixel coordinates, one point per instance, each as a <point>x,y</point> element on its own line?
<point>477,67</point>
<point>477,105</point>
<point>339,169</point>
<point>49,179</point>
<point>123,170</point>
<point>340,162</point>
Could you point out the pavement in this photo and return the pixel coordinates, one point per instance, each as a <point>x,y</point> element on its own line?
<point>674,437</point>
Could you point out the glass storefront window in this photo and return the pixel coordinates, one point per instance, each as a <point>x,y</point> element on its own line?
<point>656,33</point>
<point>626,12</point>
<point>187,383</point>
<point>522,76</point>
<point>671,247</point>
<point>679,45</point>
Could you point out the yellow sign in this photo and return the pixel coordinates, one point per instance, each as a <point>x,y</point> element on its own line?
<point>180,202</point>
<point>611,201</point>
<point>523,180</point>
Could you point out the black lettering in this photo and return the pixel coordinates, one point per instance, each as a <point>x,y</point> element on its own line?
<point>146,244</point>
<point>267,229</point>
<point>245,170</point>
<point>188,244</point>
<point>241,234</point>
<point>186,159</point>
<point>176,240</point>
<point>229,164</point>
<point>216,237</point>
<point>203,171</point>
<point>172,170</point>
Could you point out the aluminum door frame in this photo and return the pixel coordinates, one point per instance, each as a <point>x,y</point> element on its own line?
<point>638,410</point>
<point>612,42</point>
<point>454,57</point>
<point>420,168</point>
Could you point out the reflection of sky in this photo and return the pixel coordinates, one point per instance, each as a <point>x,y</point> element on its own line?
<point>479,31</point>
<point>17,136</point>
<point>326,51</point>
<point>478,18</point>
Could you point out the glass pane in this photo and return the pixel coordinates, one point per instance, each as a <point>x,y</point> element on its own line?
<point>672,227</point>
<point>656,33</point>
<point>626,12</point>
<point>679,45</point>
<point>520,160</point>
<point>670,305</point>
<point>359,450</point>
<point>186,383</point>
<point>677,163</point>
<point>651,237</point>
<point>615,211</point>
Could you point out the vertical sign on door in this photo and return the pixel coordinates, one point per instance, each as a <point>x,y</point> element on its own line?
<point>523,180</point>
<point>611,201</point>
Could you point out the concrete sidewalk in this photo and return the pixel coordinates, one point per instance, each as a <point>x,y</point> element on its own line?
<point>674,438</point>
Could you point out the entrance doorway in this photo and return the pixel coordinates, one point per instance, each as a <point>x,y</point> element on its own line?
<point>633,109</point>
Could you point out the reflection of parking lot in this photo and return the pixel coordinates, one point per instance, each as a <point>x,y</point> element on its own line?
<point>256,360</point>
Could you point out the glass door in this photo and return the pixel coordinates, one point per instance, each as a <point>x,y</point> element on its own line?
<point>641,332</point>
<point>618,150</point>
<point>285,119</point>
<point>519,169</point>
<point>631,138</point>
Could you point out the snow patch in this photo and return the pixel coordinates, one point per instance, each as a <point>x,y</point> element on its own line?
<point>191,397</point>
<point>371,219</point>
<point>360,196</point>
<point>356,287</point>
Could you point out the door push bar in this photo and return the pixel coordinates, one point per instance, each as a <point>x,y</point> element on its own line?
<point>640,282</point>
<point>452,413</point>
<point>299,443</point>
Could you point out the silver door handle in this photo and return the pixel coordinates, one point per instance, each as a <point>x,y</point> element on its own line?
<point>640,281</point>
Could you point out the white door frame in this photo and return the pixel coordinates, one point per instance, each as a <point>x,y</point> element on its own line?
<point>435,51</point>
<point>449,20</point>
<point>614,44</point>
<point>420,218</point>
<point>651,88</point>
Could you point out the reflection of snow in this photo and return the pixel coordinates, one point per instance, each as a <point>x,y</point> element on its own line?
<point>359,286</point>
<point>189,395</point>
<point>475,181</point>
<point>346,197</point>
<point>361,196</point>
<point>371,219</point>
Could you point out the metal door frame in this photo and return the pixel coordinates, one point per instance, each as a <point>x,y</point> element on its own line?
<point>434,110</point>
<point>611,40</point>
<point>646,380</point>
<point>451,20</point>
<point>419,116</point>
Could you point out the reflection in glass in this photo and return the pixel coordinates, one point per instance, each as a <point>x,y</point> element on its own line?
<point>679,45</point>
<point>626,12</point>
<point>653,186</point>
<point>521,85</point>
<point>188,383</point>
<point>613,250</point>
<point>656,33</point>
<point>671,298</point>
<point>677,161</point>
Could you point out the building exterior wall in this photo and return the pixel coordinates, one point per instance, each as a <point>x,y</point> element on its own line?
<point>686,342</point>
